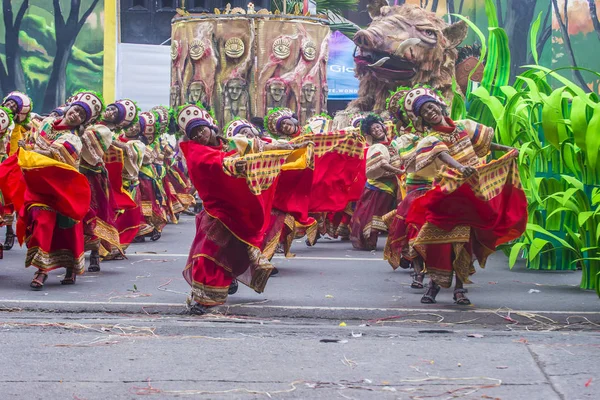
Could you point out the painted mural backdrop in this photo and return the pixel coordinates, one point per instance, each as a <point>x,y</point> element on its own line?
<point>34,61</point>
<point>569,32</point>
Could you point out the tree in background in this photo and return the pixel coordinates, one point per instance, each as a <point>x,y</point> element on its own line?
<point>66,34</point>
<point>517,21</point>
<point>563,23</point>
<point>594,15</point>
<point>11,75</point>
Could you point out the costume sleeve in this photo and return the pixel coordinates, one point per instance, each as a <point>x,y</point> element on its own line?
<point>406,146</point>
<point>92,151</point>
<point>377,156</point>
<point>481,136</point>
<point>133,157</point>
<point>429,148</point>
<point>148,156</point>
<point>67,148</point>
<point>241,144</point>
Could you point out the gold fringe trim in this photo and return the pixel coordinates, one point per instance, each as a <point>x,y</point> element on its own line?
<point>58,259</point>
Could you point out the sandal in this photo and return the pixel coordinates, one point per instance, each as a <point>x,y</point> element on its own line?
<point>37,283</point>
<point>417,282</point>
<point>139,239</point>
<point>405,264</point>
<point>94,262</point>
<point>430,295</point>
<point>9,242</point>
<point>309,244</point>
<point>460,298</point>
<point>70,277</point>
<point>233,287</point>
<point>155,235</point>
<point>279,249</point>
<point>197,309</point>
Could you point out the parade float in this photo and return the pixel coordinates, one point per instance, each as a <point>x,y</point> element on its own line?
<point>402,46</point>
<point>243,63</point>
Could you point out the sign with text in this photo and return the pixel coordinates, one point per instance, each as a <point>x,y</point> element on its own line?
<point>341,81</point>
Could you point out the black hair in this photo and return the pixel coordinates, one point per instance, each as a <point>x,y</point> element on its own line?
<point>368,122</point>
<point>258,122</point>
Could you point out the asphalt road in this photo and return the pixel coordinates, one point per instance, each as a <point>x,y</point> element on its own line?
<point>330,280</point>
<point>55,356</point>
<point>335,323</point>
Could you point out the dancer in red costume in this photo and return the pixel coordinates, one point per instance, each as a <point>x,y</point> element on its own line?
<point>150,183</point>
<point>473,206</point>
<point>57,196</point>
<point>20,106</point>
<point>230,229</point>
<point>121,158</point>
<point>380,193</point>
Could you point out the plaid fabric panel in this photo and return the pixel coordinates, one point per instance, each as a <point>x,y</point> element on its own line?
<point>489,180</point>
<point>113,155</point>
<point>346,142</point>
<point>262,168</point>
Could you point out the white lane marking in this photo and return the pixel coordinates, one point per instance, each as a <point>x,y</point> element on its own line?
<point>419,310</point>
<point>276,257</point>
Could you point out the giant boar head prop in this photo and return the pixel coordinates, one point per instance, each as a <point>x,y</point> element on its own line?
<point>403,45</point>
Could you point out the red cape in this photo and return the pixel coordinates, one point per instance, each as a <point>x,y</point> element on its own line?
<point>227,198</point>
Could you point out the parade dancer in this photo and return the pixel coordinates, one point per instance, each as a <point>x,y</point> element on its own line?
<point>130,222</point>
<point>399,250</point>
<point>282,124</point>
<point>20,106</point>
<point>171,204</point>
<point>102,163</point>
<point>243,137</point>
<point>58,195</point>
<point>5,122</point>
<point>380,193</point>
<point>230,229</point>
<point>290,211</point>
<point>473,207</point>
<point>150,187</point>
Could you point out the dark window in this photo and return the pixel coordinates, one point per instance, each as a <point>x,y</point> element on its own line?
<point>138,5</point>
<point>166,5</point>
<point>197,6</point>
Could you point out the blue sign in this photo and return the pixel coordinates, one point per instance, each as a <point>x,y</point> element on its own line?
<point>341,81</point>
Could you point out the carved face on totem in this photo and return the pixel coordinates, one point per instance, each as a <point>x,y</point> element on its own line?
<point>277,90</point>
<point>308,92</point>
<point>234,89</point>
<point>175,92</point>
<point>196,92</point>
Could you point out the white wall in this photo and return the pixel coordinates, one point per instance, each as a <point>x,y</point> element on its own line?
<point>143,74</point>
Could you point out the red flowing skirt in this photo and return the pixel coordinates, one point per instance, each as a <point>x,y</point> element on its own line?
<point>173,204</point>
<point>50,246</point>
<point>402,234</point>
<point>276,231</point>
<point>216,257</point>
<point>367,220</point>
<point>462,218</point>
<point>338,224</point>
<point>151,208</point>
<point>131,222</point>
<point>99,222</point>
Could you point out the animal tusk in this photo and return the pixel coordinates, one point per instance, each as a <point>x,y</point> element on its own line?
<point>405,45</point>
<point>380,62</point>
